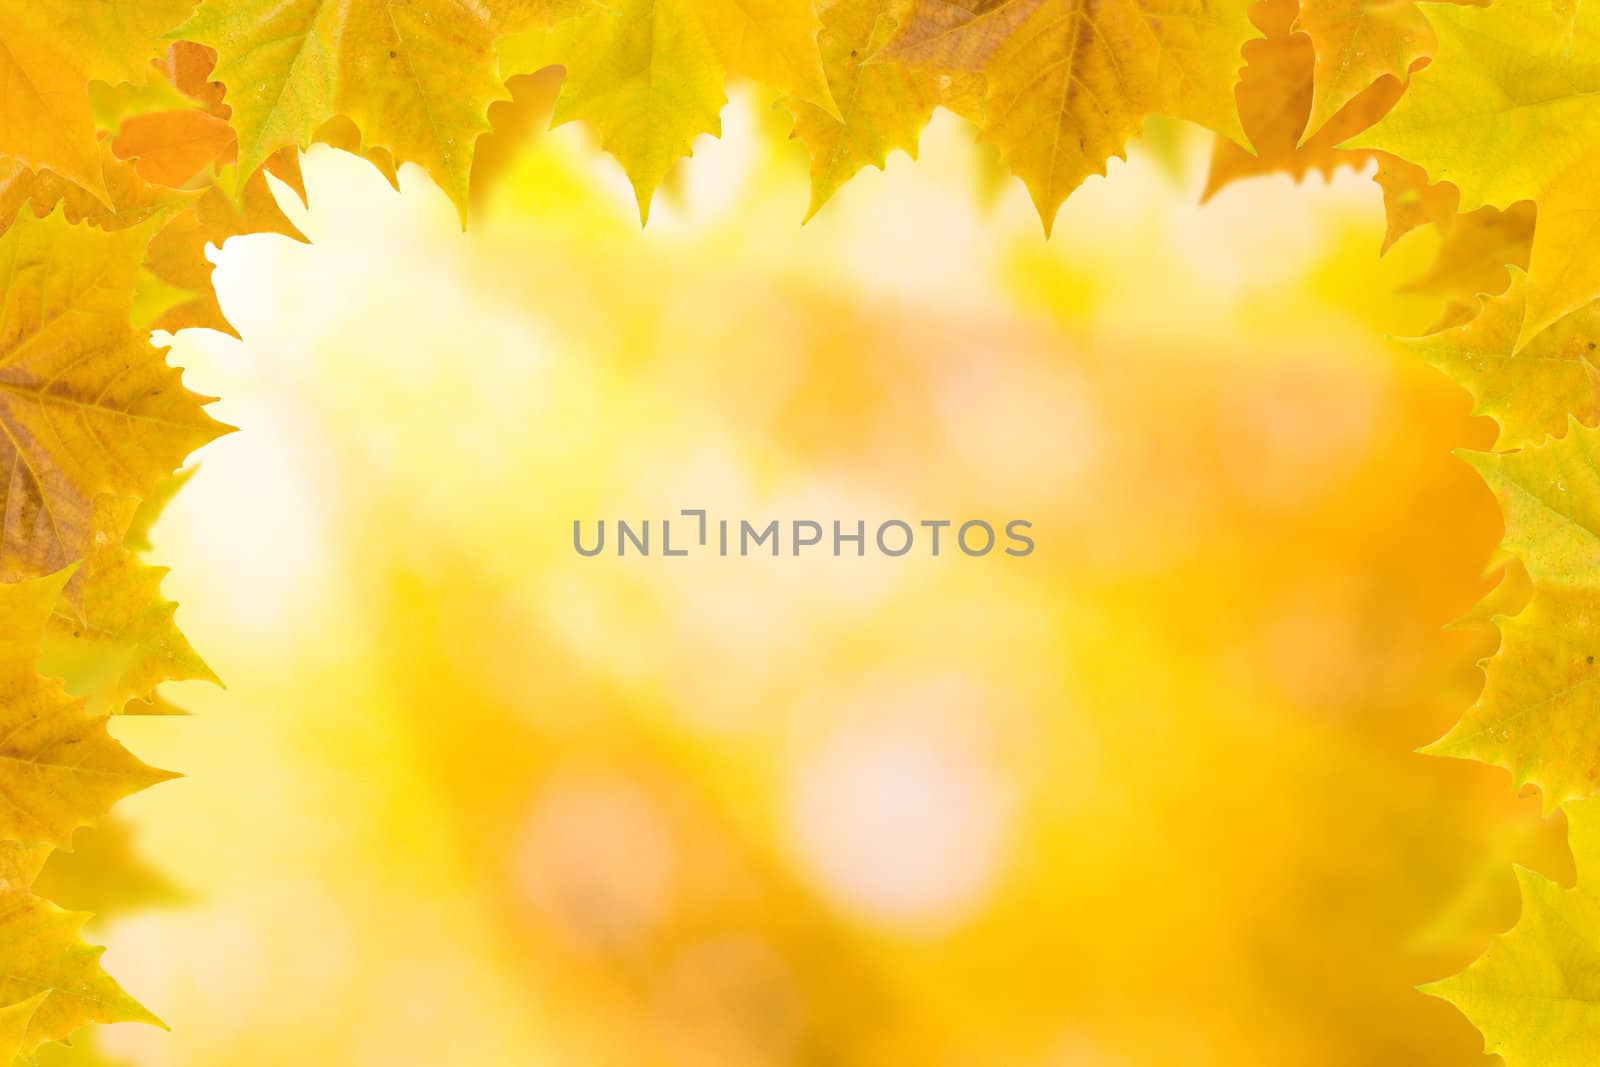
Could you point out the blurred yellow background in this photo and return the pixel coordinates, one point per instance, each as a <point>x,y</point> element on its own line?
<point>1144,797</point>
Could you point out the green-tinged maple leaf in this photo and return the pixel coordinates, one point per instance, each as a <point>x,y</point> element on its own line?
<point>1069,81</point>
<point>1535,994</point>
<point>59,768</point>
<point>1509,110</point>
<point>86,405</point>
<point>1551,498</point>
<point>44,960</point>
<point>112,637</point>
<point>417,76</point>
<point>881,107</point>
<point>1539,713</point>
<point>1530,393</point>
<point>649,75</point>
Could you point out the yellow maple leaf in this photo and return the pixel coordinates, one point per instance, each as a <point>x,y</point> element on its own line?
<point>112,636</point>
<point>1475,251</point>
<point>1540,703</point>
<point>59,768</point>
<point>1539,713</point>
<point>648,76</point>
<point>341,133</point>
<point>50,979</point>
<point>1275,95</point>
<point>1534,993</point>
<point>1530,393</point>
<point>1357,43</point>
<point>1550,495</point>
<point>880,107</point>
<point>1507,111</point>
<point>14,1020</point>
<point>109,40</point>
<point>86,405</point>
<point>129,199</point>
<point>49,52</point>
<point>45,118</point>
<point>1069,81</point>
<point>417,77</point>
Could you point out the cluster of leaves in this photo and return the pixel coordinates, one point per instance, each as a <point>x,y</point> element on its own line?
<point>136,133</point>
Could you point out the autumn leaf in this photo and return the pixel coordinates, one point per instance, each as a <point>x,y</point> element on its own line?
<point>417,78</point>
<point>112,636</point>
<point>880,107</point>
<point>59,768</point>
<point>1475,251</point>
<point>46,965</point>
<point>1358,43</point>
<point>86,405</point>
<point>177,256</point>
<point>339,132</point>
<point>129,199</point>
<point>1507,112</point>
<point>14,1020</point>
<point>1410,200</point>
<point>49,52</point>
<point>648,76</point>
<point>1535,993</point>
<point>46,122</point>
<point>1539,713</point>
<point>1551,498</point>
<point>1069,81</point>
<point>1530,393</point>
<point>1275,94</point>
<point>514,123</point>
<point>112,40</point>
<point>188,68</point>
<point>174,148</point>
